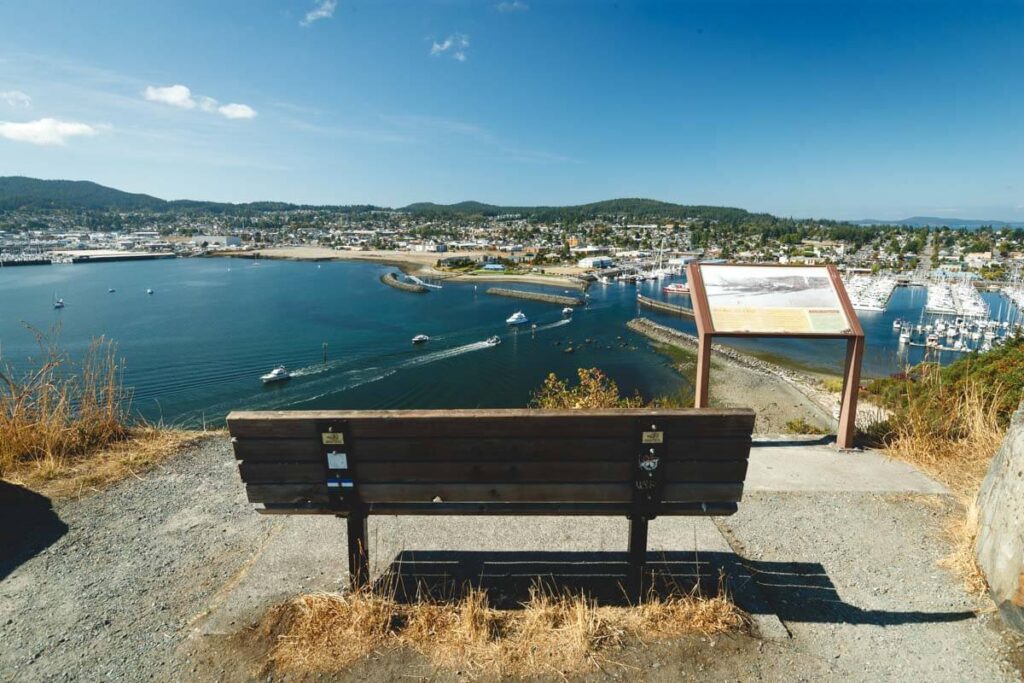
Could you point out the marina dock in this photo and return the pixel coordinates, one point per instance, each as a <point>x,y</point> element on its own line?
<point>681,311</point>
<point>538,296</point>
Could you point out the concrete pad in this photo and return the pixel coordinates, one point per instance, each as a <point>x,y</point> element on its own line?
<point>302,554</point>
<point>788,464</point>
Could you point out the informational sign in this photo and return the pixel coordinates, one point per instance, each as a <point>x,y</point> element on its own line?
<point>776,301</point>
<point>773,300</point>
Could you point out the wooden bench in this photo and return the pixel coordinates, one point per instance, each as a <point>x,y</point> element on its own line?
<point>636,462</point>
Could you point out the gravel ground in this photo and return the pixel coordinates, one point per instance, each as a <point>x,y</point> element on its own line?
<point>852,576</point>
<point>855,579</point>
<point>113,597</point>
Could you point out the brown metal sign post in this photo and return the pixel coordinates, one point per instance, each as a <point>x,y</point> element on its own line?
<point>848,328</point>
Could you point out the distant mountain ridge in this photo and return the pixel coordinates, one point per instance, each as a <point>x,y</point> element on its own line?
<point>936,222</point>
<point>19,192</point>
<point>633,206</point>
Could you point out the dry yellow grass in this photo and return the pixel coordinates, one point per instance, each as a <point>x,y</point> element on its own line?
<point>551,634</point>
<point>956,447</point>
<point>142,449</point>
<point>64,427</point>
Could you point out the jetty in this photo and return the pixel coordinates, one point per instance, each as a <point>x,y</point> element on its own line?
<point>665,307</point>
<point>391,280</point>
<point>559,299</point>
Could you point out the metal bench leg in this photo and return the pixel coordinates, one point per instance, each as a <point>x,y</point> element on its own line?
<point>358,555</point>
<point>637,555</point>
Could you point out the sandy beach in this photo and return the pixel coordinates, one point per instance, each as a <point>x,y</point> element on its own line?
<point>418,263</point>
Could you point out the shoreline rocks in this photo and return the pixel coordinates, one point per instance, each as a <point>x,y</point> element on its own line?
<point>537,296</point>
<point>391,280</point>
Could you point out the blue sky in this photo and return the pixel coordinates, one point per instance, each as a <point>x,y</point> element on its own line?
<point>827,109</point>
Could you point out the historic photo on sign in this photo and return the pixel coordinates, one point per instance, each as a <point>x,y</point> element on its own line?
<point>773,299</point>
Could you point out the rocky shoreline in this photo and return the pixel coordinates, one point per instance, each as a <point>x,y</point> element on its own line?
<point>537,296</point>
<point>391,280</point>
<point>826,402</point>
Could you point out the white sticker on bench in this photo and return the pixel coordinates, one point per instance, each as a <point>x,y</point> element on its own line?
<point>337,461</point>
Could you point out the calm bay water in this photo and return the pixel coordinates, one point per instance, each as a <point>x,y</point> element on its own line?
<point>195,349</point>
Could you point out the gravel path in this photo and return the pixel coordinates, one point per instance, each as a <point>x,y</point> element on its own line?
<point>853,576</point>
<point>113,597</point>
<point>856,580</point>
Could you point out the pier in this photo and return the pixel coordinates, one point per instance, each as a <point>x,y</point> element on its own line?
<point>538,296</point>
<point>391,280</point>
<point>681,311</point>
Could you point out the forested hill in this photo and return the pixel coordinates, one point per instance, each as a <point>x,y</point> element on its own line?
<point>640,209</point>
<point>18,192</point>
<point>31,194</point>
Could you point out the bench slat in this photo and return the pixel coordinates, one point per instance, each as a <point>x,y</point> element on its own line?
<point>491,423</point>
<point>257,472</point>
<point>546,450</point>
<point>518,509</point>
<point>504,492</point>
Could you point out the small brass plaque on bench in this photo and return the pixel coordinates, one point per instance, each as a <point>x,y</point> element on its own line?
<point>333,438</point>
<point>654,437</point>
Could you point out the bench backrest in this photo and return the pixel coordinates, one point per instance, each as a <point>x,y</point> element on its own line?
<point>494,461</point>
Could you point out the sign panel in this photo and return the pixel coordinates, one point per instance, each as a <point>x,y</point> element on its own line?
<point>773,300</point>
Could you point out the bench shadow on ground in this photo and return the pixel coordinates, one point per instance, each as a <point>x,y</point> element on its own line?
<point>794,591</point>
<point>28,525</point>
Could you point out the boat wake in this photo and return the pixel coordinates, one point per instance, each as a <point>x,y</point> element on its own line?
<point>319,380</point>
<point>551,326</point>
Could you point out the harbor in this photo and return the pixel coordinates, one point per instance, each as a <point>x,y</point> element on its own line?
<point>345,339</point>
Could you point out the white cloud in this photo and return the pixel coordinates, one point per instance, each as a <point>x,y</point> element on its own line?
<point>455,43</point>
<point>15,98</point>
<point>514,6</point>
<point>323,10</point>
<point>237,111</point>
<point>44,131</point>
<point>207,103</point>
<point>181,96</point>
<point>174,95</point>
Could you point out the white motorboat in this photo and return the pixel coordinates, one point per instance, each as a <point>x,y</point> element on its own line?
<point>149,291</point>
<point>493,341</point>
<point>278,374</point>
<point>111,290</point>
<point>567,310</point>
<point>517,318</point>
<point>905,335</point>
<point>59,303</point>
<point>896,324</point>
<point>420,339</point>
<point>676,288</point>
